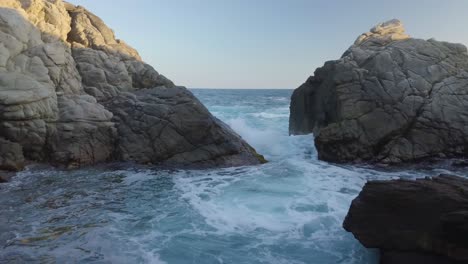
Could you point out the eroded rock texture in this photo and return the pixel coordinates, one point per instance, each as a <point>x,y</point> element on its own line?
<point>170,124</point>
<point>72,94</point>
<point>389,98</point>
<point>413,221</point>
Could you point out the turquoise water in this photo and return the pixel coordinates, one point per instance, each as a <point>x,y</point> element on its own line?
<point>287,211</point>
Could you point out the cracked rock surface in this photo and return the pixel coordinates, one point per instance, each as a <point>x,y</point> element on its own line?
<point>72,94</point>
<point>413,221</point>
<point>389,99</point>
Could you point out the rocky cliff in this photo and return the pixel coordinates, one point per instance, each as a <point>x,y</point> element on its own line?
<point>413,221</point>
<point>72,94</point>
<point>389,99</point>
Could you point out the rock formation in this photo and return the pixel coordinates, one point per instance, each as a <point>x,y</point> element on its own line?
<point>384,33</point>
<point>413,221</point>
<point>389,99</point>
<point>72,94</point>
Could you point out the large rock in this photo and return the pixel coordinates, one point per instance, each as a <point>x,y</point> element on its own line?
<point>389,99</point>
<point>107,65</point>
<point>72,94</point>
<point>170,124</point>
<point>413,221</point>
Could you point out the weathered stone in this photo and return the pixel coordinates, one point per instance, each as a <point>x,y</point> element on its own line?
<point>418,220</point>
<point>389,99</point>
<point>170,126</point>
<point>59,66</point>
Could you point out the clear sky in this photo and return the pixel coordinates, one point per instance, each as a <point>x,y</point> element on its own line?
<point>263,43</point>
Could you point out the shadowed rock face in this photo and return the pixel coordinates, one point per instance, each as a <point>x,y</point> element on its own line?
<point>388,99</point>
<point>421,221</point>
<point>170,124</point>
<point>72,94</point>
<point>11,158</point>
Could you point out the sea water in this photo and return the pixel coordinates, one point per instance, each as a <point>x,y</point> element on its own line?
<point>289,210</point>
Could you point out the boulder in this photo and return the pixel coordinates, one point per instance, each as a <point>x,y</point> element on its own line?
<point>71,94</point>
<point>413,221</point>
<point>389,99</point>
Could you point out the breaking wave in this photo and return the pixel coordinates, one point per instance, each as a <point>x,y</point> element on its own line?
<point>289,210</point>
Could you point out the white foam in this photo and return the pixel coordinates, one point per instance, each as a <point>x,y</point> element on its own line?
<point>287,211</point>
<point>293,198</point>
<point>264,140</point>
<point>270,115</point>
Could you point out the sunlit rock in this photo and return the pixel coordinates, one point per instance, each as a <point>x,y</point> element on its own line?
<point>72,94</point>
<point>384,33</point>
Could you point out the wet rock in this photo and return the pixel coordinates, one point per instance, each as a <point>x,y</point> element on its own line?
<point>5,176</point>
<point>399,257</point>
<point>11,157</point>
<point>413,221</point>
<point>389,99</point>
<point>460,163</point>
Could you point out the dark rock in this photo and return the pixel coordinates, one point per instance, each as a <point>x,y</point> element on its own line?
<point>170,126</point>
<point>460,163</point>
<point>5,176</point>
<point>388,99</point>
<point>399,257</point>
<point>413,219</point>
<point>11,156</point>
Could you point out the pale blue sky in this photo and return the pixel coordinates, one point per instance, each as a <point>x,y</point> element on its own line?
<point>263,43</point>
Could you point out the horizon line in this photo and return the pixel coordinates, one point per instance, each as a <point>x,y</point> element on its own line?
<point>231,88</point>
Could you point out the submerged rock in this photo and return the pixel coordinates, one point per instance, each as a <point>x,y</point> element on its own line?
<point>413,221</point>
<point>72,94</point>
<point>389,99</point>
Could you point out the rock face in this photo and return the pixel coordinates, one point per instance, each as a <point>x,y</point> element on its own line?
<point>11,156</point>
<point>389,99</point>
<point>425,221</point>
<point>170,124</point>
<point>72,94</point>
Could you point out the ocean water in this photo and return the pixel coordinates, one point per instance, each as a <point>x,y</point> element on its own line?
<point>287,211</point>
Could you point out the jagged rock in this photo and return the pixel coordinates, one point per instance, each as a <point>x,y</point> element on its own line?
<point>389,99</point>
<point>91,32</point>
<point>170,124</point>
<point>105,61</point>
<point>61,67</point>
<point>413,221</point>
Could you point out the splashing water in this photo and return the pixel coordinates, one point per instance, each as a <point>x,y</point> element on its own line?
<point>287,211</point>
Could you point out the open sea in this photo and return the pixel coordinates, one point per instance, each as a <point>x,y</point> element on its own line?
<point>288,211</point>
